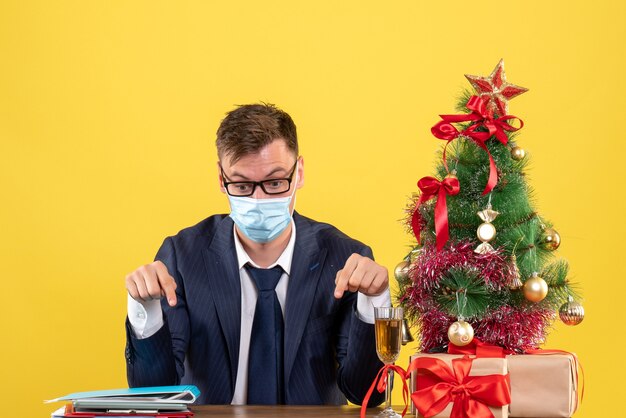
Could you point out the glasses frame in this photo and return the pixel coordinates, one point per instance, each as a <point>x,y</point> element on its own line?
<point>258,183</point>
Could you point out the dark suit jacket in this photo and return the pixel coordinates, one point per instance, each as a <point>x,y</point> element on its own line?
<point>329,353</point>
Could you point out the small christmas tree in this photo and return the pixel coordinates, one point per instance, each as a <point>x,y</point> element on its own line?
<point>484,264</point>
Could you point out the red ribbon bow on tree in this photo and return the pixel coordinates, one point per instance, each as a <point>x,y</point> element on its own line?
<point>430,188</point>
<point>471,396</point>
<point>481,117</point>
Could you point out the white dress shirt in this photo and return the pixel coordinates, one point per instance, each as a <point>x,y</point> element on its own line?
<point>146,318</point>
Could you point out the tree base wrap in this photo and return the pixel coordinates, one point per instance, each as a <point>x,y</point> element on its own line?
<point>479,367</point>
<point>543,386</point>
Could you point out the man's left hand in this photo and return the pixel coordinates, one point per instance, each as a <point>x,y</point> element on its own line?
<point>361,274</point>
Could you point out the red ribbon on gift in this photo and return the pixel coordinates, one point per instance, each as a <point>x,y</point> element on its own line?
<point>381,382</point>
<point>479,349</point>
<point>471,396</point>
<point>431,187</point>
<point>481,117</point>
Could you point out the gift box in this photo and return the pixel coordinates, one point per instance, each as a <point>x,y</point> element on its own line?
<point>543,385</point>
<point>479,367</point>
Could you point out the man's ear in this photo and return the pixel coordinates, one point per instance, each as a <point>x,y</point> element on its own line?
<point>300,173</point>
<point>220,179</point>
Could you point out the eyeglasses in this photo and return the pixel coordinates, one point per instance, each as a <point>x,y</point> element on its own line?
<point>270,186</point>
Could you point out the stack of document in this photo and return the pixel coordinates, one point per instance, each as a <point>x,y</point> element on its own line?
<point>157,401</point>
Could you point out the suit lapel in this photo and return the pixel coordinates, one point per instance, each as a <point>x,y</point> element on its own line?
<point>306,266</point>
<point>223,275</point>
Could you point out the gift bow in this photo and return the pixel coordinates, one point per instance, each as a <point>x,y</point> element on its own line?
<point>438,385</point>
<point>430,188</point>
<point>481,117</point>
<point>380,384</point>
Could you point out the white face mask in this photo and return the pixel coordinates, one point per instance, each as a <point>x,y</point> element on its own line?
<point>262,220</point>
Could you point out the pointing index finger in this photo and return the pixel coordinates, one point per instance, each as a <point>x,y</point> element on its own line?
<point>167,283</point>
<point>343,275</point>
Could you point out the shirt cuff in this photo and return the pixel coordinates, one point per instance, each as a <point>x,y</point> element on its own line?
<point>365,305</point>
<point>145,318</point>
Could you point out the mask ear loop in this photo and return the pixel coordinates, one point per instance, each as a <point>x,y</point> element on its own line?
<point>295,187</point>
<point>295,178</point>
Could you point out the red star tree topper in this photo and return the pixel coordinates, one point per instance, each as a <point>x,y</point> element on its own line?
<point>496,89</point>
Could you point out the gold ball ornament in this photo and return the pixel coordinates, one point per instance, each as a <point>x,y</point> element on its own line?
<point>550,239</point>
<point>460,333</point>
<point>402,270</point>
<point>572,312</point>
<point>535,288</point>
<point>518,153</point>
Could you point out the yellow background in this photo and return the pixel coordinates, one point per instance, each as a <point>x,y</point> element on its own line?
<point>107,118</point>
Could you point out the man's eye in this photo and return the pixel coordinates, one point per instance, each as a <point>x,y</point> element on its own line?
<point>243,187</point>
<point>275,184</point>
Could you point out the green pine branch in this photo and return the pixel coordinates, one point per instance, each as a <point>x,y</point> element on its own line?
<point>463,293</point>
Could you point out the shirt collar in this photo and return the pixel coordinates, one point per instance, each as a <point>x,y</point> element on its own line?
<point>284,260</point>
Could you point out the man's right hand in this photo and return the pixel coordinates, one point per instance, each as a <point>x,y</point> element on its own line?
<point>151,282</point>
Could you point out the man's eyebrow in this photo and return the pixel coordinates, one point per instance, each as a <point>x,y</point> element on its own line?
<point>268,176</point>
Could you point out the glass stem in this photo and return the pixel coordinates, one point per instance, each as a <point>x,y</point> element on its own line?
<point>388,389</point>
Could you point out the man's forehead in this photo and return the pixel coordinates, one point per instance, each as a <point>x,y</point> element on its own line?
<point>259,160</point>
<point>259,168</point>
<point>277,149</point>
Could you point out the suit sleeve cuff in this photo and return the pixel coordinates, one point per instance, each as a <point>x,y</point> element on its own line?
<point>365,305</point>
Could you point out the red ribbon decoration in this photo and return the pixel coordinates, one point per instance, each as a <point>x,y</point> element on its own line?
<point>438,385</point>
<point>430,188</point>
<point>481,117</point>
<point>449,132</point>
<point>480,349</point>
<point>381,385</point>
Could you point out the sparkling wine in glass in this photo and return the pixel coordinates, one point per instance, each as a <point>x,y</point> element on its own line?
<point>388,343</point>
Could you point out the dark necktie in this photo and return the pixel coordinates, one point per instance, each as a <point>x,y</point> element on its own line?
<point>265,362</point>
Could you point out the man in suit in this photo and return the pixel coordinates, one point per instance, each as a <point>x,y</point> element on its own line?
<point>261,306</point>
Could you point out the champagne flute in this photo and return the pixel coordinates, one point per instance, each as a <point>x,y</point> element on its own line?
<point>388,342</point>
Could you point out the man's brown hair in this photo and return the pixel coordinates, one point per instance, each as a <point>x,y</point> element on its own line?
<point>249,128</point>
